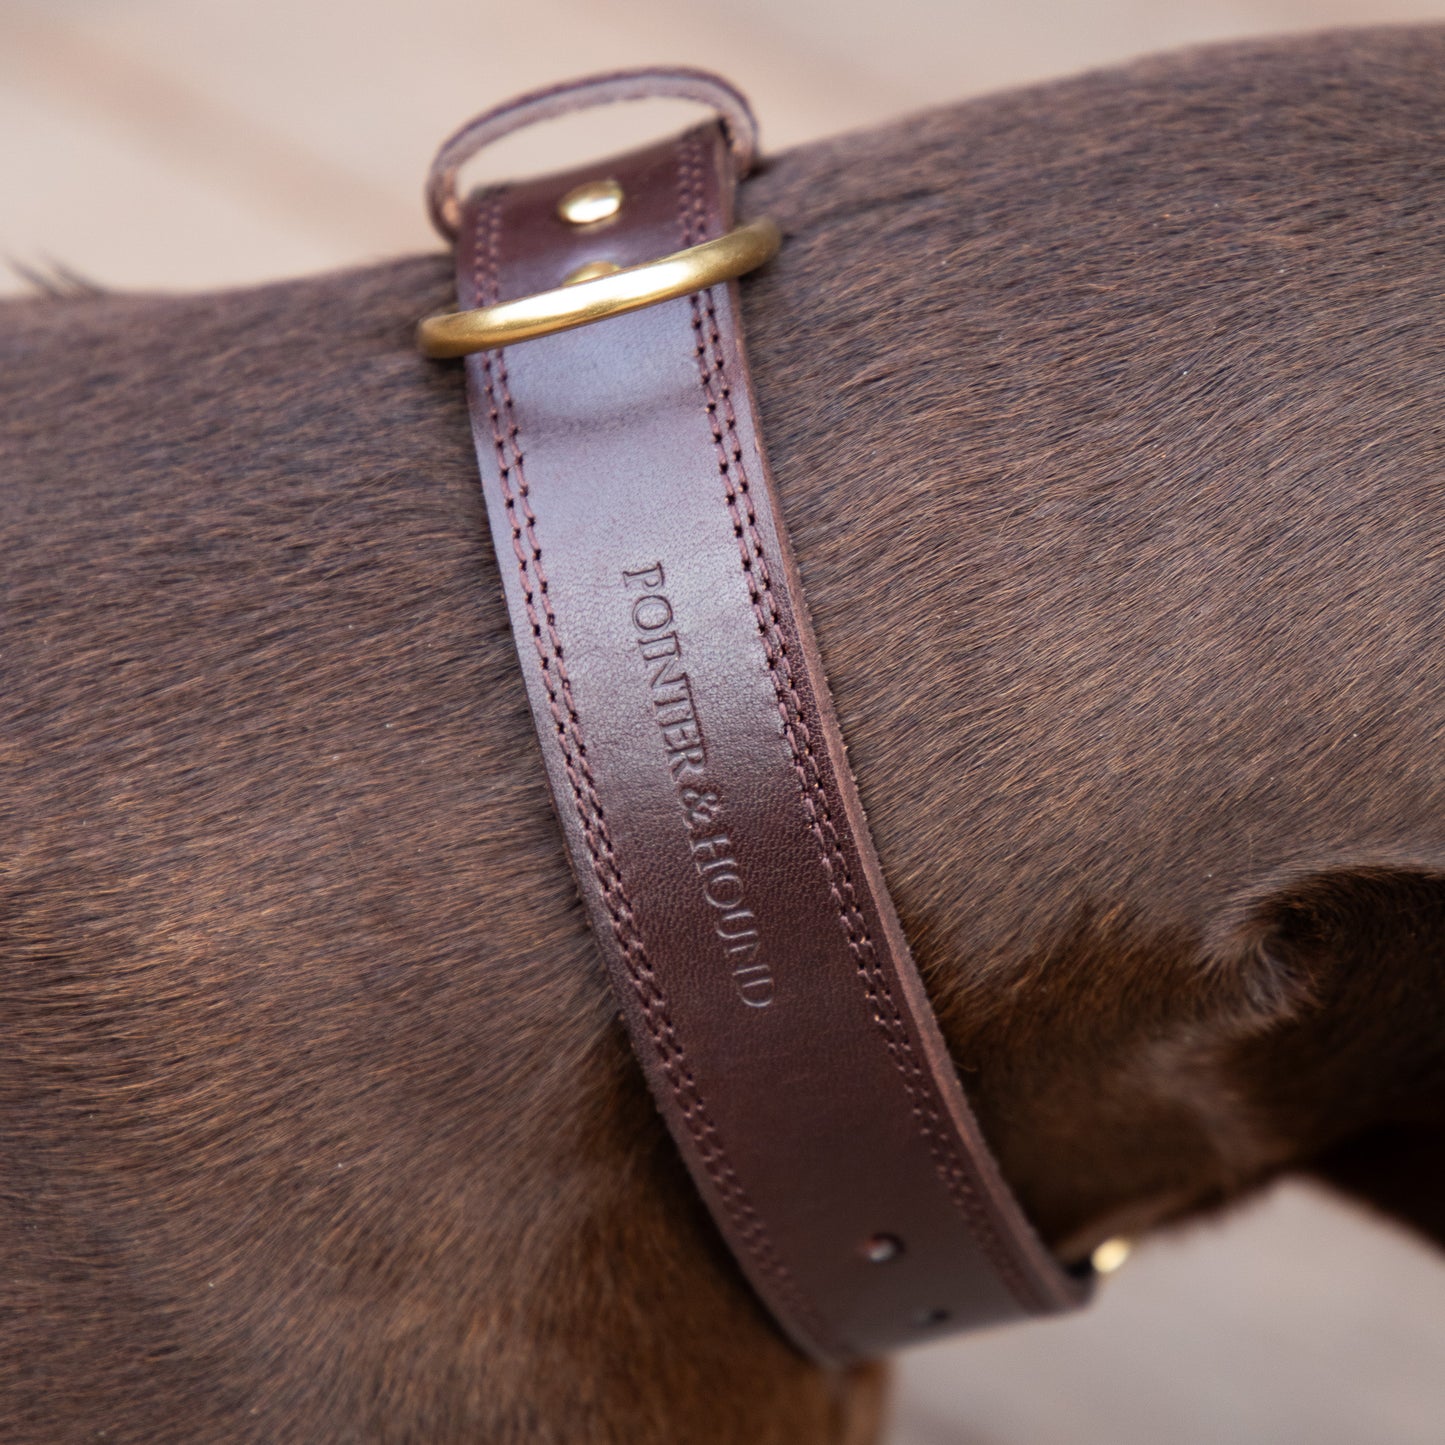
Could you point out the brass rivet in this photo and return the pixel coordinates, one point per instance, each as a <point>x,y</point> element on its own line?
<point>880,1248</point>
<point>590,202</point>
<point>590,271</point>
<point>1110,1255</point>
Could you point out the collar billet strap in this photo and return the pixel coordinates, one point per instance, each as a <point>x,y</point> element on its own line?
<point>695,762</point>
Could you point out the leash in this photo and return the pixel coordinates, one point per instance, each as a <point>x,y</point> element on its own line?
<point>695,762</point>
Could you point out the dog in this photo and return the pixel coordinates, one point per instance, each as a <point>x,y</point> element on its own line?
<point>1105,417</point>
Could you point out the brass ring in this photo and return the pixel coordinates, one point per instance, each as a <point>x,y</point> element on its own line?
<point>455,333</point>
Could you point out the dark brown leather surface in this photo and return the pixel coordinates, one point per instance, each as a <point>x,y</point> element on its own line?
<point>703,790</point>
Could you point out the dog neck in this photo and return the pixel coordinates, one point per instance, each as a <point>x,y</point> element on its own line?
<point>1112,487</point>
<point>1130,624</point>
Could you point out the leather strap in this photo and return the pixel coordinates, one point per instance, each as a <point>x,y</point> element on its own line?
<point>702,785</point>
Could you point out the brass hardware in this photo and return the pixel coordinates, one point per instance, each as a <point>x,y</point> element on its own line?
<point>1110,1255</point>
<point>682,84</point>
<point>455,333</point>
<point>591,202</point>
<point>590,271</point>
<point>880,1248</point>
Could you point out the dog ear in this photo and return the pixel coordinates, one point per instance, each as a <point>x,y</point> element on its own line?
<point>1364,935</point>
<point>1267,953</point>
<point>1344,1056</point>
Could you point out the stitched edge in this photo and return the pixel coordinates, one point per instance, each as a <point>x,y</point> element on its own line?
<point>747,1224</point>
<point>717,397</point>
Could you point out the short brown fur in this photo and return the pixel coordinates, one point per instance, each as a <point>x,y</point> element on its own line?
<point>1106,420</point>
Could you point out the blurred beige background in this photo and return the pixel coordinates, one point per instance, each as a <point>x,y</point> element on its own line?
<point>202,143</point>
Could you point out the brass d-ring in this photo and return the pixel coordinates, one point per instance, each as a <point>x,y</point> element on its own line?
<point>455,333</point>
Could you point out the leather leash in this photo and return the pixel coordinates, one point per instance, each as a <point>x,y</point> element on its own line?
<point>695,762</point>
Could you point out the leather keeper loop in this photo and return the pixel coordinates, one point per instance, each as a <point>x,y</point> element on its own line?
<point>678,83</point>
<point>700,780</point>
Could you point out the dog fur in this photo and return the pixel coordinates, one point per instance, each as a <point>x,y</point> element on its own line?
<point>1106,421</point>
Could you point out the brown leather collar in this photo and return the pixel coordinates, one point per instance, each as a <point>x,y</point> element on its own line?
<point>697,769</point>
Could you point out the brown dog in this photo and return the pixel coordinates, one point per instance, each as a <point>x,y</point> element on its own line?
<point>1107,422</point>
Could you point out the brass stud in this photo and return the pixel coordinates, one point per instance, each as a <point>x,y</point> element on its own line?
<point>591,202</point>
<point>880,1248</point>
<point>1110,1255</point>
<point>590,271</point>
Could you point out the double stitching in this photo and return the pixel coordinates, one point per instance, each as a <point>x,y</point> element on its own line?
<point>747,1223</point>
<point>717,397</point>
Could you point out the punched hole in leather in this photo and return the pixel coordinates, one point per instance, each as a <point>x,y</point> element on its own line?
<point>697,769</point>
